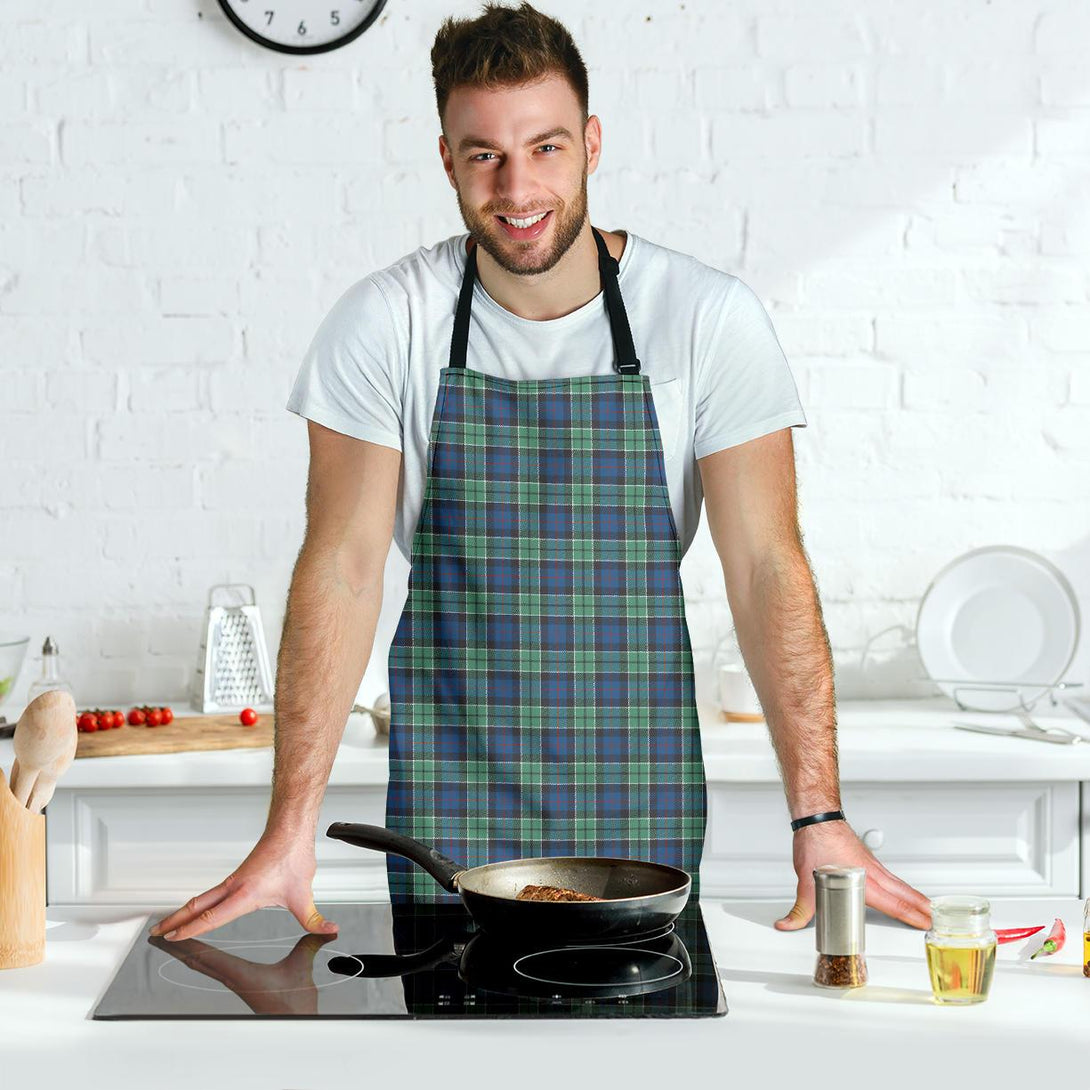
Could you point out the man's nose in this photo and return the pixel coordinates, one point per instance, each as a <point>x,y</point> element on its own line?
<point>515,184</point>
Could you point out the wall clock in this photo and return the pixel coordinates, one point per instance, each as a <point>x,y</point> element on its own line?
<point>302,26</point>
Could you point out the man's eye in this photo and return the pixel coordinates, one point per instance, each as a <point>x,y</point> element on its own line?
<point>477,158</point>
<point>550,146</point>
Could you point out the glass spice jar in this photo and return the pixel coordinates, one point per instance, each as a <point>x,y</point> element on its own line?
<point>839,917</point>
<point>960,949</point>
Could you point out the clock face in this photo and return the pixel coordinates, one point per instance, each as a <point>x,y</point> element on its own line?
<point>302,26</point>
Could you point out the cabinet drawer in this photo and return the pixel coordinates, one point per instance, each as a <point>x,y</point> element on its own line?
<point>163,847</point>
<point>995,839</point>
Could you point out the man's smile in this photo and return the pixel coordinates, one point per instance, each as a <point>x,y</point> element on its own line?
<point>524,228</point>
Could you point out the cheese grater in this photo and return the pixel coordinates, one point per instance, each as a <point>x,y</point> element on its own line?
<point>233,665</point>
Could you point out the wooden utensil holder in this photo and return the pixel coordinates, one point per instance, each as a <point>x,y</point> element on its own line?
<point>22,882</point>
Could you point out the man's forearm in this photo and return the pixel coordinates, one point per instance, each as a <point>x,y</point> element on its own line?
<point>329,630</point>
<point>780,629</point>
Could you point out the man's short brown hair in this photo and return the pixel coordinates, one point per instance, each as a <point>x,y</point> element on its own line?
<point>504,47</point>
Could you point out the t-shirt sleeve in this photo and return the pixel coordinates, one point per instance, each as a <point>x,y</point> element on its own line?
<point>744,386</point>
<point>351,377</point>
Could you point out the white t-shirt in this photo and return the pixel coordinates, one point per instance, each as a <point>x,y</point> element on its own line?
<point>718,375</point>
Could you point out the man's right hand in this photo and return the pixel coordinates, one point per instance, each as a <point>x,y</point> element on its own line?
<point>278,871</point>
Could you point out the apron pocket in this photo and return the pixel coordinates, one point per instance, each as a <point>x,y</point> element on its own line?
<point>669,408</point>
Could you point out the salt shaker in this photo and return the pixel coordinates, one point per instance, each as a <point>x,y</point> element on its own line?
<point>839,916</point>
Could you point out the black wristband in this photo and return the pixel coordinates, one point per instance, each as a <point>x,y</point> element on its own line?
<point>813,819</point>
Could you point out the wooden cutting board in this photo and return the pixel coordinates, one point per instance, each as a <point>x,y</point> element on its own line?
<point>187,732</point>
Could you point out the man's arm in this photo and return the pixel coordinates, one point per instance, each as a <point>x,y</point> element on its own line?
<point>751,499</point>
<point>332,613</point>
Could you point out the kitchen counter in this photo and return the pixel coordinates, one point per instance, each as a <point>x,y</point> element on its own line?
<point>917,732</point>
<point>940,806</point>
<point>779,1028</point>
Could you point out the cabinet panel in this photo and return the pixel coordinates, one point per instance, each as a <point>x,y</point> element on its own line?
<point>994,839</point>
<point>163,847</point>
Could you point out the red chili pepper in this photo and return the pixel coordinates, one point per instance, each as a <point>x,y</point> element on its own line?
<point>1054,942</point>
<point>1013,934</point>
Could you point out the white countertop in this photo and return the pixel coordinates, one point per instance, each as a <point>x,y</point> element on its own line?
<point>879,741</point>
<point>779,1029</point>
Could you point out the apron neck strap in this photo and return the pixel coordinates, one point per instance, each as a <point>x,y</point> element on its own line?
<point>624,351</point>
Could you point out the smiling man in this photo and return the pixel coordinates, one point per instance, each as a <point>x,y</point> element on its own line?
<point>535,410</point>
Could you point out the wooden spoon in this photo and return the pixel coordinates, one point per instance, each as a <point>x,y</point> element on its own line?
<point>45,743</point>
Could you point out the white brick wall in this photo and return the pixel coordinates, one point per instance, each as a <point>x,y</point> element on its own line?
<point>905,186</point>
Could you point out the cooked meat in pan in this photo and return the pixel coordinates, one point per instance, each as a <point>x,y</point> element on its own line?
<point>552,893</point>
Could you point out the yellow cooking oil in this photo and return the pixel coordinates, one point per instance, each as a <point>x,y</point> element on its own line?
<point>960,949</point>
<point>960,974</point>
<point>1086,938</point>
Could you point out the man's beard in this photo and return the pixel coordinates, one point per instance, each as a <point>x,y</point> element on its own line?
<point>508,254</point>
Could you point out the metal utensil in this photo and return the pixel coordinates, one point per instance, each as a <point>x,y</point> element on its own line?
<point>1056,735</point>
<point>233,668</point>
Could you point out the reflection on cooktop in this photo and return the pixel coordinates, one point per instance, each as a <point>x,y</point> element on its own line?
<point>410,961</point>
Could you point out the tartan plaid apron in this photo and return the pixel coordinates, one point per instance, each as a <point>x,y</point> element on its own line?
<point>541,676</point>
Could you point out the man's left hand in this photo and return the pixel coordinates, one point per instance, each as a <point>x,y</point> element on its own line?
<point>835,842</point>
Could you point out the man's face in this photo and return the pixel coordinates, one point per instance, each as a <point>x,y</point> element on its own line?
<point>515,153</point>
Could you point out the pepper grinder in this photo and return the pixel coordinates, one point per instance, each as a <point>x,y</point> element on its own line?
<point>839,916</point>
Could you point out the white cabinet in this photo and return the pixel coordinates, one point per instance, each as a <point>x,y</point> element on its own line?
<point>994,839</point>
<point>161,846</point>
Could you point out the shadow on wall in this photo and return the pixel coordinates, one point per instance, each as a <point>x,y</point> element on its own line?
<point>885,674</point>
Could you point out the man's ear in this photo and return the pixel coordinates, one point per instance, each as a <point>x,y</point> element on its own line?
<point>448,160</point>
<point>592,142</point>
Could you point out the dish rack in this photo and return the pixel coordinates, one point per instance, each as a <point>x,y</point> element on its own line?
<point>962,687</point>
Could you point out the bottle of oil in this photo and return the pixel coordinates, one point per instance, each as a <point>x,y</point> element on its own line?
<point>1086,938</point>
<point>960,949</point>
<point>51,675</point>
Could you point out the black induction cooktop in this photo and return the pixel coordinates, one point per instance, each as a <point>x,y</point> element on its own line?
<point>410,961</point>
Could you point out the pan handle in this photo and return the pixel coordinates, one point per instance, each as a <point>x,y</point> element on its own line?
<point>442,869</point>
<point>384,965</point>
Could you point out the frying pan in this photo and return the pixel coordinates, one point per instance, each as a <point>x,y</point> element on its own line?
<point>639,896</point>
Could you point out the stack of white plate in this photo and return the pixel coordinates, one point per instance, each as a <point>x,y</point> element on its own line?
<point>997,628</point>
